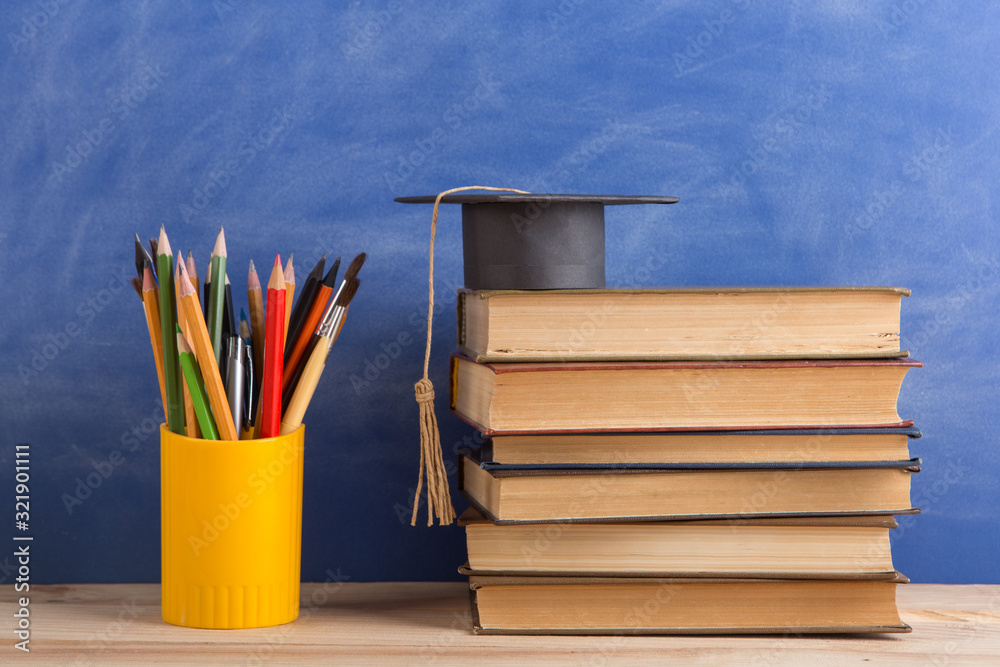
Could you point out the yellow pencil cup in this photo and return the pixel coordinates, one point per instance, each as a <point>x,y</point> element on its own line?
<point>231,530</point>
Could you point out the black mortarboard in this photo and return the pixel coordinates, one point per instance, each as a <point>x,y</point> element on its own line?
<point>534,241</point>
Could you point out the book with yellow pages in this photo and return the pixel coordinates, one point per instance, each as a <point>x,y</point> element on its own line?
<point>791,547</point>
<point>524,604</point>
<point>616,449</point>
<point>683,323</point>
<point>687,491</point>
<point>677,395</point>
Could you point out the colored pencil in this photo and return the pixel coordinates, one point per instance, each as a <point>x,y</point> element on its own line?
<point>203,352</point>
<point>270,401</point>
<point>257,319</point>
<point>195,385</point>
<point>270,411</point>
<point>192,270</point>
<point>151,305</point>
<point>296,348</point>
<point>217,296</point>
<point>314,366</point>
<point>289,276</point>
<point>168,322</point>
<point>228,321</point>
<point>191,428</point>
<point>302,306</point>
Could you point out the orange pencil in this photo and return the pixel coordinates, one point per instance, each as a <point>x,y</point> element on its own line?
<point>205,354</point>
<point>151,304</point>
<point>193,272</point>
<point>289,289</point>
<point>270,411</point>
<point>190,420</point>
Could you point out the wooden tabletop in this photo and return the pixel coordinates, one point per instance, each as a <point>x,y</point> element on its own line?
<point>430,623</point>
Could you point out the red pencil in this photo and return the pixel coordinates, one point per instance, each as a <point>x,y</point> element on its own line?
<point>274,344</point>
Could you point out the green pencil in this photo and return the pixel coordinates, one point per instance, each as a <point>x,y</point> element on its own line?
<point>196,387</point>
<point>168,322</point>
<point>217,296</point>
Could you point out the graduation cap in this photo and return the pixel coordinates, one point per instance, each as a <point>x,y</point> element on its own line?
<point>534,241</point>
<point>512,240</point>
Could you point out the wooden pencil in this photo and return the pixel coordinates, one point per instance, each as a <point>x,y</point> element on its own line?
<point>193,272</point>
<point>151,305</point>
<point>289,276</point>
<point>168,323</point>
<point>217,296</point>
<point>195,384</point>
<point>258,327</point>
<point>270,415</point>
<point>203,352</point>
<point>191,428</point>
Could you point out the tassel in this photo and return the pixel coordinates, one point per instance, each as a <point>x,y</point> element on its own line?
<point>431,460</point>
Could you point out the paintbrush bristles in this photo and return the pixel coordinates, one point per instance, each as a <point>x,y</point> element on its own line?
<point>348,293</point>
<point>354,267</point>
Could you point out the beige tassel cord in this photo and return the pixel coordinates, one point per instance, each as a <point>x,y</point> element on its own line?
<point>431,459</point>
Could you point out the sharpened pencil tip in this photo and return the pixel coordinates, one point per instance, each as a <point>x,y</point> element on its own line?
<point>163,244</point>
<point>220,244</point>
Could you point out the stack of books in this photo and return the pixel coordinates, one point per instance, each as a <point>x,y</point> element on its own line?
<point>683,461</point>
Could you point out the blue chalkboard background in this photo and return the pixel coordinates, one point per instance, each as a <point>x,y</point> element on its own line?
<point>815,143</point>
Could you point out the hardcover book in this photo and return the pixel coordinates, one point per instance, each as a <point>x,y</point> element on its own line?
<point>773,445</point>
<point>799,547</point>
<point>674,395</point>
<point>691,491</point>
<point>523,604</point>
<point>690,323</point>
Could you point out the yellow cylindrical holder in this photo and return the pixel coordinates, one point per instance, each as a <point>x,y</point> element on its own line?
<point>231,530</point>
